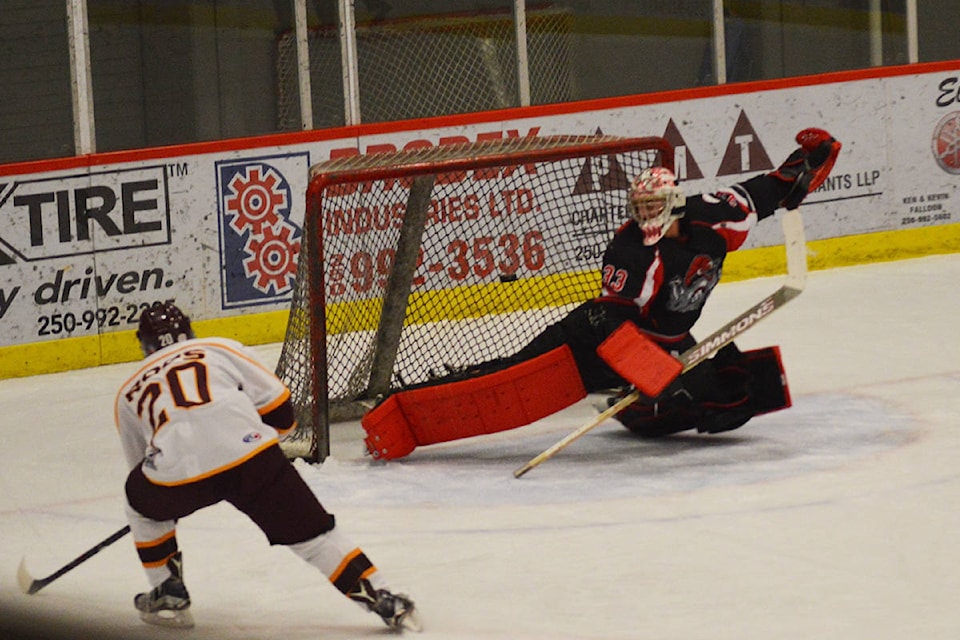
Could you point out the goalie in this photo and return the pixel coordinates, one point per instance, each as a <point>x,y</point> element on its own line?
<point>658,271</point>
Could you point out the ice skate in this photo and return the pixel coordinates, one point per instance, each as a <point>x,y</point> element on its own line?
<point>397,611</point>
<point>167,605</point>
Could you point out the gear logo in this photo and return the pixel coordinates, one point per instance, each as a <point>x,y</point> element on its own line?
<point>260,242</point>
<point>271,260</point>
<point>946,143</point>
<point>256,200</point>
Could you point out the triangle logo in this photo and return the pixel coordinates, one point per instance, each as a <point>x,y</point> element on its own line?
<point>685,166</point>
<point>745,152</point>
<point>601,175</point>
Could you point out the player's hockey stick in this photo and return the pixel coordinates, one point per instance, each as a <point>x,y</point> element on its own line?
<point>30,586</point>
<point>796,249</point>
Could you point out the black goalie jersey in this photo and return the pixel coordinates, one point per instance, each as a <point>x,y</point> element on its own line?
<point>663,287</point>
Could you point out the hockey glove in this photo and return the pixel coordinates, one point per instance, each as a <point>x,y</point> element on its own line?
<point>808,166</point>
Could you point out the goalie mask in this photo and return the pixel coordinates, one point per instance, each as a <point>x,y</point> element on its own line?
<point>161,326</point>
<point>655,202</point>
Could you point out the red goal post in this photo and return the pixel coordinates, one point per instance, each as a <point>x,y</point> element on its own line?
<point>418,261</point>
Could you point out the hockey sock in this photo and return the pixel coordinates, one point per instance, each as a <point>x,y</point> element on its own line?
<point>156,542</point>
<point>340,560</point>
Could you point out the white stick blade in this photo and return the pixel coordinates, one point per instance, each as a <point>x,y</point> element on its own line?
<point>24,579</point>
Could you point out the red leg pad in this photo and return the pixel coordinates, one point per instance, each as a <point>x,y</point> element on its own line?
<point>507,399</point>
<point>388,431</point>
<point>639,360</point>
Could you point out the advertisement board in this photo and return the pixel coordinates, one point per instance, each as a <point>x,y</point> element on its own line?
<point>87,243</point>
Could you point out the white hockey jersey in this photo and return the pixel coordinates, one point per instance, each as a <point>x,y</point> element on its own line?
<point>193,410</point>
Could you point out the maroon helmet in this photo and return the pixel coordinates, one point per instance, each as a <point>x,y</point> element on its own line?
<point>161,326</point>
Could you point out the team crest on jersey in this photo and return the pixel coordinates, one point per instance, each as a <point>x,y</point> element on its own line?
<point>689,293</point>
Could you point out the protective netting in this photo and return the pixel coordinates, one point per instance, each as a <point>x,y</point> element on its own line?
<point>442,257</point>
<point>430,66</point>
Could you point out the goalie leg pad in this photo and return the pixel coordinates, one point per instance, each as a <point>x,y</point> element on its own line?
<point>758,374</point>
<point>648,420</point>
<point>389,433</point>
<point>506,399</point>
<point>768,386</point>
<point>766,389</point>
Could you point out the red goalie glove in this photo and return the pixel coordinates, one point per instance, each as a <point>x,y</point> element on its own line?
<point>808,166</point>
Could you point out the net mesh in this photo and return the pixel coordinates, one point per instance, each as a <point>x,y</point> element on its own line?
<point>437,258</point>
<point>429,66</point>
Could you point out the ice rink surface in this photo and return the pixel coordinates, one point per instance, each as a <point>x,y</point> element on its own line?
<point>836,519</point>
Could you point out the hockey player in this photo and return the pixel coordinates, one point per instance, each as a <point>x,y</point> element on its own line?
<point>658,271</point>
<point>199,424</point>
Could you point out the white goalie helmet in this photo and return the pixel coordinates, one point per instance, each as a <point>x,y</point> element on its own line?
<point>655,202</point>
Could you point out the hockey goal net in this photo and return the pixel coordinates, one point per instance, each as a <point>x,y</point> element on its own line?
<point>419,261</point>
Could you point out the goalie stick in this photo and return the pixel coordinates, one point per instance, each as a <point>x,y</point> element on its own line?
<point>796,249</point>
<point>30,586</point>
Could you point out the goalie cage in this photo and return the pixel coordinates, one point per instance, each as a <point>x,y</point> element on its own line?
<point>420,261</point>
